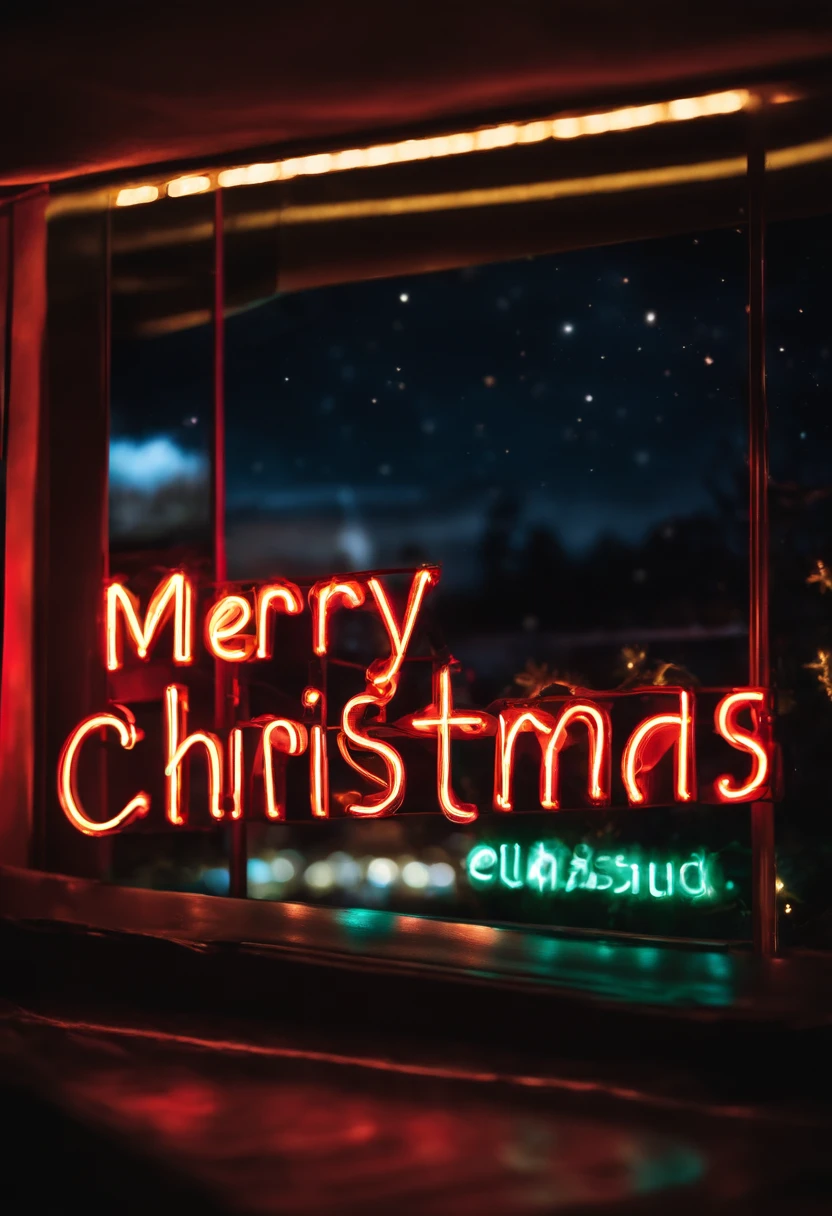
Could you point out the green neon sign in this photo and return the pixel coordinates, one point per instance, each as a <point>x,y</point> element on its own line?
<point>550,867</point>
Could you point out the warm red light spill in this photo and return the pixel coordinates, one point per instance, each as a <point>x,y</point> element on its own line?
<point>313,698</point>
<point>383,672</point>
<point>726,724</point>
<point>174,593</point>
<point>287,738</point>
<point>511,723</point>
<point>325,596</point>
<point>444,721</point>
<point>645,747</point>
<point>227,619</point>
<point>597,722</point>
<point>283,595</point>
<point>179,745</point>
<point>129,735</point>
<point>376,805</point>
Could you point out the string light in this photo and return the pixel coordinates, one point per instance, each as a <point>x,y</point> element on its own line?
<point>248,175</point>
<point>821,576</point>
<point>181,187</point>
<point>823,666</point>
<point>460,143</point>
<point>132,196</point>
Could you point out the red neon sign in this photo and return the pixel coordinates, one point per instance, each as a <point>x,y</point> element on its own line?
<point>579,731</point>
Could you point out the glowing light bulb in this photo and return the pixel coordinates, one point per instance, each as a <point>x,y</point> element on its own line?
<point>181,187</point>
<point>132,196</point>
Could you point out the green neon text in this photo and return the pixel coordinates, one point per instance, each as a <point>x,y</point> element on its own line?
<point>550,867</point>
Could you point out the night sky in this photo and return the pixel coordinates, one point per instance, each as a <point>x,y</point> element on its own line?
<point>601,391</point>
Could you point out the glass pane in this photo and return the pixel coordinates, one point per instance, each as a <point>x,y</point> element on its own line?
<point>161,392</point>
<point>799,354</point>
<point>566,436</point>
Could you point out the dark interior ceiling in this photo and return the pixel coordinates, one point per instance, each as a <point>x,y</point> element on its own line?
<point>86,88</point>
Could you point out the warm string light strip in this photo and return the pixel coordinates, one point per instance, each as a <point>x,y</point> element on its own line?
<point>487,139</point>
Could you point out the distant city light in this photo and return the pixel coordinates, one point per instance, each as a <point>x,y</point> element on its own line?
<point>345,869</point>
<point>650,318</point>
<point>416,875</point>
<point>319,876</point>
<point>404,297</point>
<point>442,875</point>
<point>382,872</point>
<point>282,869</point>
<point>258,871</point>
<point>567,327</point>
<point>217,880</point>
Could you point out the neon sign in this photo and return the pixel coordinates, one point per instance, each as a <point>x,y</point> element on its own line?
<point>549,868</point>
<point>639,747</point>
